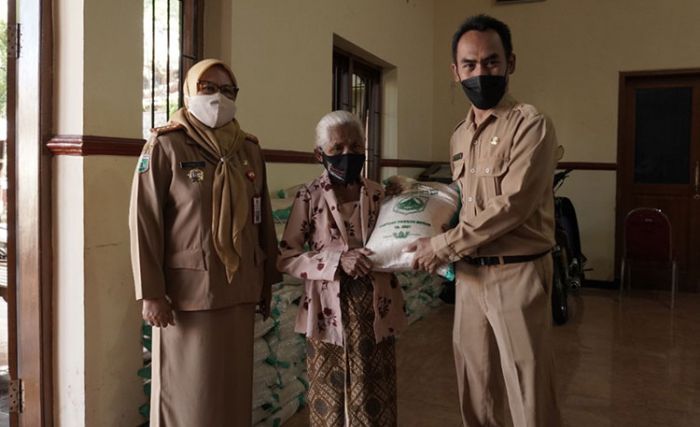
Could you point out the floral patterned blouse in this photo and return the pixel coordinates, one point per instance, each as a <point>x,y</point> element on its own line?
<point>314,238</point>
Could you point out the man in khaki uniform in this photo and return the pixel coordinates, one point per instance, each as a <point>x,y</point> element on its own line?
<point>203,251</point>
<point>503,158</point>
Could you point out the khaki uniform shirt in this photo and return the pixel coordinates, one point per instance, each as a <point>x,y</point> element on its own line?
<point>504,168</point>
<point>170,220</point>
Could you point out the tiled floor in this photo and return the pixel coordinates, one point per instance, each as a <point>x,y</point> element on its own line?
<point>631,364</point>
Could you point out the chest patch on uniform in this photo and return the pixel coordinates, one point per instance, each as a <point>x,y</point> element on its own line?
<point>196,175</point>
<point>144,161</point>
<point>457,156</point>
<point>193,165</point>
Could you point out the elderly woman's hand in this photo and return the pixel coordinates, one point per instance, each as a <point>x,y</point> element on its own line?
<point>355,262</point>
<point>157,312</point>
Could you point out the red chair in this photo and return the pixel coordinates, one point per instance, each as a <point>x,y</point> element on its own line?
<point>647,239</point>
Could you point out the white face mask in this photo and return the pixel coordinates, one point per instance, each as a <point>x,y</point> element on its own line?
<point>213,110</point>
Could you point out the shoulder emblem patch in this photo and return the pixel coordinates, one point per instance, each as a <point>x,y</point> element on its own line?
<point>144,162</point>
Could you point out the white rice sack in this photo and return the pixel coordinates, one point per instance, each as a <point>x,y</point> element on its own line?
<point>290,350</point>
<point>262,395</point>
<point>290,392</point>
<point>283,414</point>
<point>288,410</point>
<point>262,326</point>
<point>264,375</point>
<point>289,292</point>
<point>262,412</point>
<point>281,208</point>
<point>261,350</point>
<point>421,209</point>
<point>292,373</point>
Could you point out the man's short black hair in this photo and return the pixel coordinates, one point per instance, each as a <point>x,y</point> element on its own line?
<point>483,23</point>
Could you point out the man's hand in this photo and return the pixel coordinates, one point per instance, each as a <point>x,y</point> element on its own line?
<point>264,304</point>
<point>424,258</point>
<point>355,262</point>
<point>157,312</point>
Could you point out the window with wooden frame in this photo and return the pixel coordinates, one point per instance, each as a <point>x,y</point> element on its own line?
<point>172,44</point>
<point>357,88</point>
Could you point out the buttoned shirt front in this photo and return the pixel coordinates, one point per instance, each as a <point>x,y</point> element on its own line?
<point>504,168</point>
<point>170,220</point>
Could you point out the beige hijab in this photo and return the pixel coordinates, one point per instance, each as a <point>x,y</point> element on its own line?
<point>229,196</point>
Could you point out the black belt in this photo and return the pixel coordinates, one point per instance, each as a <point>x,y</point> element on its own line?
<point>497,260</point>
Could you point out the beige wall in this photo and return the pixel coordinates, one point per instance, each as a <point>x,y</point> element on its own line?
<point>96,320</point>
<point>281,52</point>
<point>569,54</point>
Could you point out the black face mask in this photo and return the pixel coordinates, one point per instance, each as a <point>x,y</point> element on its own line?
<point>344,168</point>
<point>484,92</point>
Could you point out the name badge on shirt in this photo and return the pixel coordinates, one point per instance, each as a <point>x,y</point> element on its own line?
<point>257,209</point>
<point>193,165</point>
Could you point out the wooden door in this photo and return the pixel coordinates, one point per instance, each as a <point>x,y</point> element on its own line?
<point>659,163</point>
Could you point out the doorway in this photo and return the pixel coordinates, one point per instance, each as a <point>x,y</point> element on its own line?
<point>659,164</point>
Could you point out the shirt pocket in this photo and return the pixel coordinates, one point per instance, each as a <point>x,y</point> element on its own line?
<point>490,171</point>
<point>188,259</point>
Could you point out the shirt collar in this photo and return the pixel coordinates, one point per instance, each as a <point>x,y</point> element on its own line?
<point>500,110</point>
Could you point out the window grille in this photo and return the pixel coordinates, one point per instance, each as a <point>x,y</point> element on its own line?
<point>357,88</point>
<point>162,61</point>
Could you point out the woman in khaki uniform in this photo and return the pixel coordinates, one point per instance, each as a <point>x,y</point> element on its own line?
<point>349,314</point>
<point>203,252</point>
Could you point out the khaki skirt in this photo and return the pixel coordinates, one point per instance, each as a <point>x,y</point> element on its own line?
<point>202,370</point>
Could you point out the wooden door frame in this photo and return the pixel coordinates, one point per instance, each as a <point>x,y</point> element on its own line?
<point>625,78</point>
<point>11,185</point>
<point>30,269</point>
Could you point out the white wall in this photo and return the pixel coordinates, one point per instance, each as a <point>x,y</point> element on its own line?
<point>569,55</point>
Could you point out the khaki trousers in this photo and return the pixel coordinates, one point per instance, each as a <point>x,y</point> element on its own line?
<point>202,371</point>
<point>502,339</point>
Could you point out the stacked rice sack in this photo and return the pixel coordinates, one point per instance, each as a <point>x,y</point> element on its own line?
<point>265,375</point>
<point>280,379</point>
<point>145,372</point>
<point>283,382</point>
<point>421,292</point>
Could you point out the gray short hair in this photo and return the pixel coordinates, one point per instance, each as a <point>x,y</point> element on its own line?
<point>334,119</point>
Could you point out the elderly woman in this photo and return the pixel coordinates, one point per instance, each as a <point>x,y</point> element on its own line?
<point>348,313</point>
<point>203,252</point>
